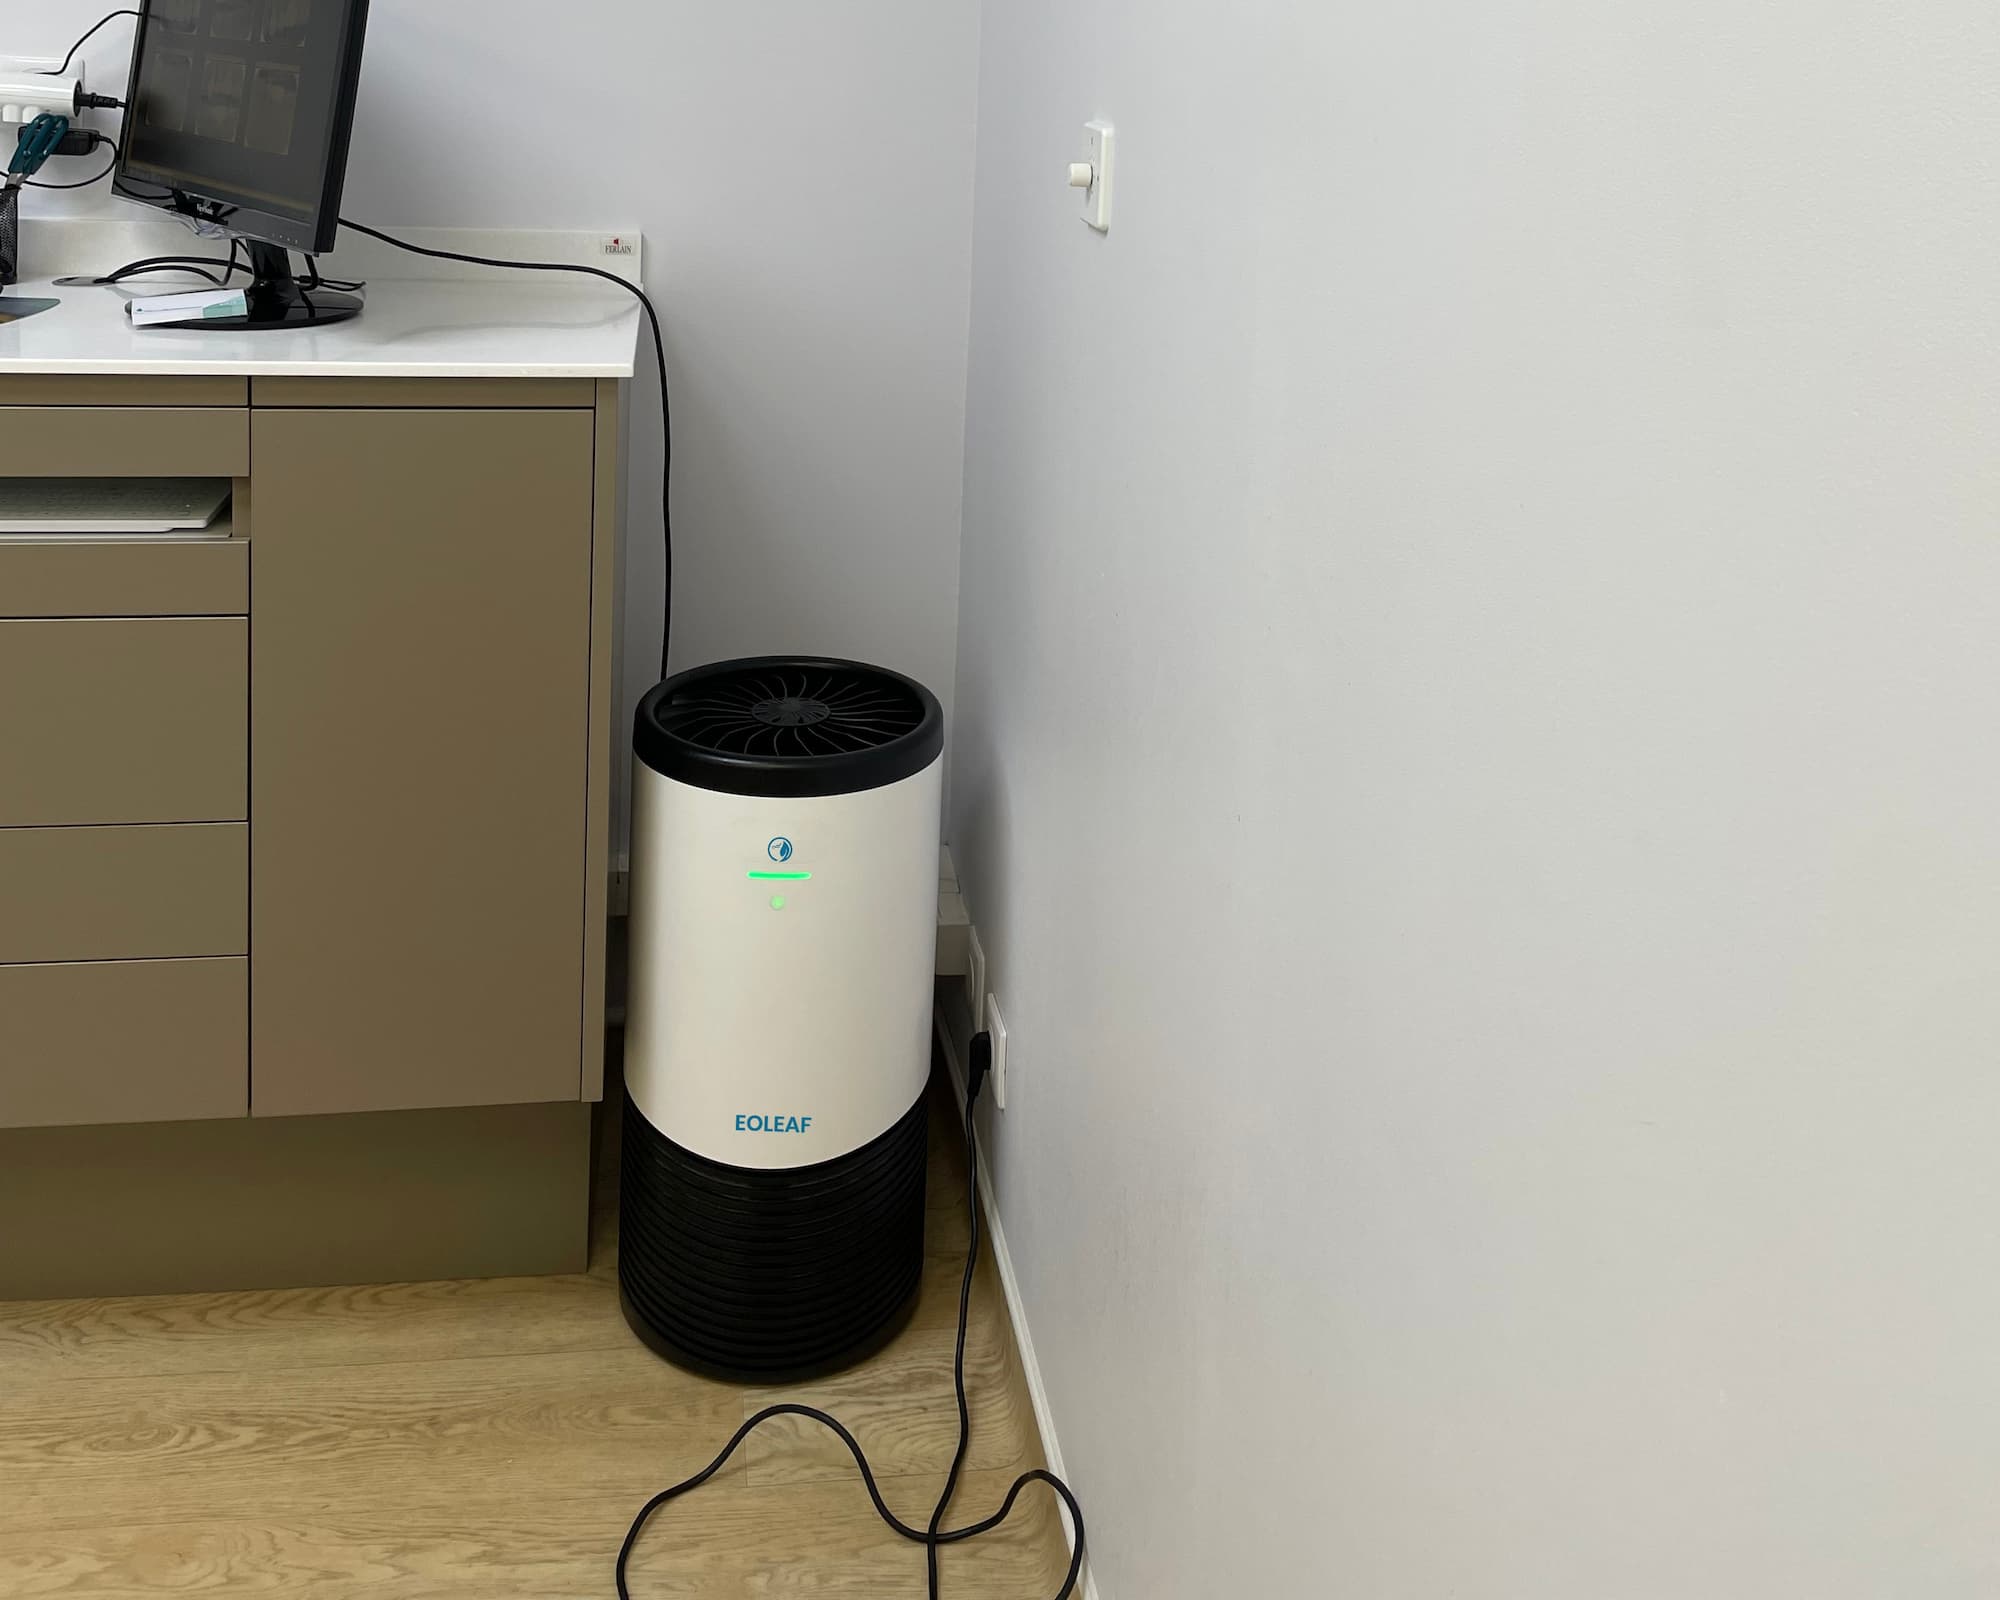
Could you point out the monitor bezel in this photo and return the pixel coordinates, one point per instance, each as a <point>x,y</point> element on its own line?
<point>240,214</point>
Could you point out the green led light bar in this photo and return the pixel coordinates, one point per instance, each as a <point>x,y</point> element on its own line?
<point>787,877</point>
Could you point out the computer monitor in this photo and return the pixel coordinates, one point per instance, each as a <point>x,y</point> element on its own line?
<point>238,113</point>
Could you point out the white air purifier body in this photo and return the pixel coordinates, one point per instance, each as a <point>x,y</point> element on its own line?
<point>777,1048</point>
<point>792,940</point>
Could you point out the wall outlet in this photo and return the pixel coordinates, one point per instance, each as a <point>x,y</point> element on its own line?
<point>996,1026</point>
<point>975,975</point>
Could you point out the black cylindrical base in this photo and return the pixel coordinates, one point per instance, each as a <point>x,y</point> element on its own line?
<point>768,1275</point>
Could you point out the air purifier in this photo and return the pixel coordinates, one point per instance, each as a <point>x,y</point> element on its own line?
<point>783,937</point>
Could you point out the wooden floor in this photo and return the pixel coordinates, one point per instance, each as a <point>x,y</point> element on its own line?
<point>490,1439</point>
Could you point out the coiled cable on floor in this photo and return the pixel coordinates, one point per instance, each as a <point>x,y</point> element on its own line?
<point>935,1536</point>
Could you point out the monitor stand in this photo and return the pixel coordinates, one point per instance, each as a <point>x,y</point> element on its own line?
<point>277,299</point>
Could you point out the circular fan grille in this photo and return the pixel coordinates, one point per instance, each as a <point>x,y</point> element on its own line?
<point>798,712</point>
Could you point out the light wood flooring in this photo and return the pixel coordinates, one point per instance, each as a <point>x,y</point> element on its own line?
<point>491,1440</point>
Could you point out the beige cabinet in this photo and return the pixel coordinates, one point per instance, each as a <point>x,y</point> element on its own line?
<point>307,823</point>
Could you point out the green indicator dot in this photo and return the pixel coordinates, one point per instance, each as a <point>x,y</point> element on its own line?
<point>777,902</point>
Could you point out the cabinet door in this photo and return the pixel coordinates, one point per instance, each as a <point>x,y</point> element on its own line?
<point>419,686</point>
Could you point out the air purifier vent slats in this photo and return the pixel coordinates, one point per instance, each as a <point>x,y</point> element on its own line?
<point>770,1274</point>
<point>783,725</point>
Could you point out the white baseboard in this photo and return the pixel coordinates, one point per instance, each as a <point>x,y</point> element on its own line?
<point>996,1236</point>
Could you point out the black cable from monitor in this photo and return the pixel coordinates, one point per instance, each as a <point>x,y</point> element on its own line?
<point>148,266</point>
<point>198,265</point>
<point>100,22</point>
<point>659,356</point>
<point>96,177</point>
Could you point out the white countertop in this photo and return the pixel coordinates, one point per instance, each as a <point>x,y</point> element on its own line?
<point>424,318</point>
<point>544,327</point>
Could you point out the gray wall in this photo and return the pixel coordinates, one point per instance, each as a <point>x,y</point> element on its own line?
<point>1474,759</point>
<point>803,175</point>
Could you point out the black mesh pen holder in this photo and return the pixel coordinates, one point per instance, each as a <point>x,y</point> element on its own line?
<point>10,237</point>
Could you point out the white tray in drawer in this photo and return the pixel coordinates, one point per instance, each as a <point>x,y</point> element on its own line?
<point>45,508</point>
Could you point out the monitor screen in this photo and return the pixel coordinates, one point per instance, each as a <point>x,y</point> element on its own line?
<point>245,106</point>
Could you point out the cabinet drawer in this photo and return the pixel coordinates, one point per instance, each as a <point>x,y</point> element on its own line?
<point>124,442</point>
<point>124,578</point>
<point>426,393</point>
<point>124,720</point>
<point>121,389</point>
<point>123,894</point>
<point>124,1041</point>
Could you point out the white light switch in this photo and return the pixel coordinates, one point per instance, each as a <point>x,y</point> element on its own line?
<point>1097,156</point>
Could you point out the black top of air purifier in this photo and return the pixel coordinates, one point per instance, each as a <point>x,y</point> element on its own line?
<point>788,725</point>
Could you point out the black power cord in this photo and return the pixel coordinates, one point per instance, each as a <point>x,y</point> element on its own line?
<point>98,177</point>
<point>932,1538</point>
<point>659,355</point>
<point>151,265</point>
<point>66,60</point>
<point>315,281</point>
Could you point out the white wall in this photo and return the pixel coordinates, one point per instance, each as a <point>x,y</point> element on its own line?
<point>1475,759</point>
<point>803,175</point>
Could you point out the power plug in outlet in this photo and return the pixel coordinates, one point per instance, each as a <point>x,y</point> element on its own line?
<point>996,1026</point>
<point>975,975</point>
